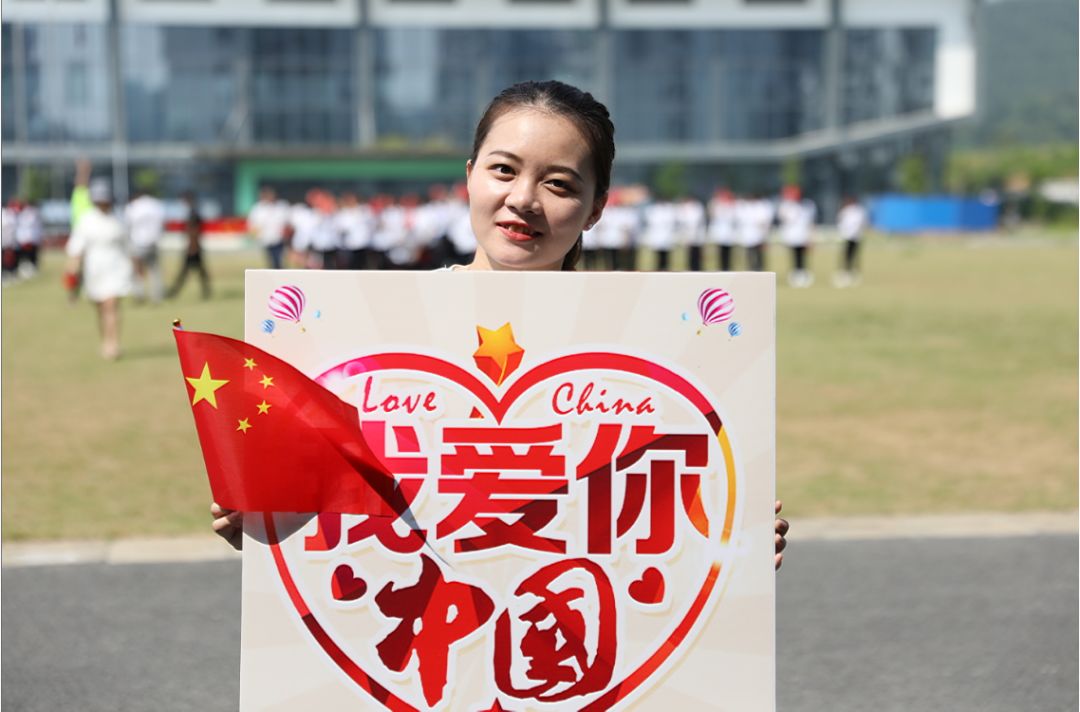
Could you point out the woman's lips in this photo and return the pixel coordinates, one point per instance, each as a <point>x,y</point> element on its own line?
<point>517,232</point>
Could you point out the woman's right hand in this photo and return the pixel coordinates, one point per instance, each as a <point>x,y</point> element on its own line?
<point>228,524</point>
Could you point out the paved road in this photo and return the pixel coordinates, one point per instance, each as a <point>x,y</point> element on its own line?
<point>908,624</point>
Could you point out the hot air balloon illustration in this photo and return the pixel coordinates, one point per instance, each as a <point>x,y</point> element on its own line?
<point>268,326</point>
<point>734,328</point>
<point>287,303</point>
<point>715,306</point>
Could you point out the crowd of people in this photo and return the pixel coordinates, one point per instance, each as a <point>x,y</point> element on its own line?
<point>115,253</point>
<point>384,232</point>
<point>21,234</point>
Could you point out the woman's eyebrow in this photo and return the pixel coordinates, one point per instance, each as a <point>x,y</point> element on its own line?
<point>550,169</point>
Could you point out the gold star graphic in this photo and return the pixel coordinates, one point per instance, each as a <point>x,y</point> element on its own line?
<point>263,407</point>
<point>243,426</point>
<point>249,364</point>
<point>499,355</point>
<point>267,381</point>
<point>205,385</point>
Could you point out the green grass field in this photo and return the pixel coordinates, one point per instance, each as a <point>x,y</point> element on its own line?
<point>946,382</point>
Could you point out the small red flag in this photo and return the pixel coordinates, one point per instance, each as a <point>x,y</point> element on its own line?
<point>273,439</point>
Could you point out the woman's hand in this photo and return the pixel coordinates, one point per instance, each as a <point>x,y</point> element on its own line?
<point>782,527</point>
<point>82,172</point>
<point>229,525</point>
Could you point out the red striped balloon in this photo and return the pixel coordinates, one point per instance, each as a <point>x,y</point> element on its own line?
<point>715,306</point>
<point>287,303</point>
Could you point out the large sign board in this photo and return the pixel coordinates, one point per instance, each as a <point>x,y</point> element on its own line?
<point>589,466</point>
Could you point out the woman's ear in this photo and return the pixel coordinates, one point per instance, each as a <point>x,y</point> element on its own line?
<point>468,169</point>
<point>598,208</point>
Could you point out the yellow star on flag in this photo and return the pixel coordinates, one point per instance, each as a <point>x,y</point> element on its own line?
<point>263,407</point>
<point>499,355</point>
<point>249,364</point>
<point>267,381</point>
<point>243,426</point>
<point>205,385</point>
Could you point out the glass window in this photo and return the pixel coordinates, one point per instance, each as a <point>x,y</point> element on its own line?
<point>181,83</point>
<point>432,85</point>
<point>303,83</point>
<point>888,72</point>
<point>722,85</point>
<point>65,83</point>
<point>7,86</point>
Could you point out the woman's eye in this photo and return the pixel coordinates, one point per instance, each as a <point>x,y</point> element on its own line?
<point>560,184</point>
<point>502,169</point>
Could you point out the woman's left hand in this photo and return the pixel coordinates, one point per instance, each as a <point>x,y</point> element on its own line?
<point>782,527</point>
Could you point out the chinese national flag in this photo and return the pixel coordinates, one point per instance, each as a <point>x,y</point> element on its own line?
<point>273,439</point>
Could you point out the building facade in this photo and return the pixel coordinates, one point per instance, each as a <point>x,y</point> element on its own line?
<point>221,95</point>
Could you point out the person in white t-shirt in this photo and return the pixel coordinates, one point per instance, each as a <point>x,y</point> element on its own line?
<point>302,222</point>
<point>268,222</point>
<point>659,231</point>
<point>850,223</point>
<point>754,217</point>
<point>145,218</point>
<point>797,216</point>
<point>722,225</point>
<point>690,229</point>
<point>356,222</point>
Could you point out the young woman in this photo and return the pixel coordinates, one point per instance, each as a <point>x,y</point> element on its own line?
<point>538,177</point>
<point>98,256</point>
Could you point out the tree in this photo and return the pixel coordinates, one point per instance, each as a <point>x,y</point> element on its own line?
<point>912,175</point>
<point>669,181</point>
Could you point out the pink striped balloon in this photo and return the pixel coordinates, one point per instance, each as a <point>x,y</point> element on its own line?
<point>715,306</point>
<point>287,303</point>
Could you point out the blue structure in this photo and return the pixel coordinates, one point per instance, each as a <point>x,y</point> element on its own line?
<point>909,213</point>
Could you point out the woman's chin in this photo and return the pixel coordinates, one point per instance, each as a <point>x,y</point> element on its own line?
<point>521,257</point>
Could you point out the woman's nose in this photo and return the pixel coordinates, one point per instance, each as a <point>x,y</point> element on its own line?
<point>522,197</point>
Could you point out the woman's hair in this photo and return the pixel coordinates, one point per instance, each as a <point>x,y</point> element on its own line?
<point>587,114</point>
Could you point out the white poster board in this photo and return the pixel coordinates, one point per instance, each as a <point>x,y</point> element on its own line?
<point>589,461</point>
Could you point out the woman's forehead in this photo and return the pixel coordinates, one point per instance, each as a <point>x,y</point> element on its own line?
<point>536,134</point>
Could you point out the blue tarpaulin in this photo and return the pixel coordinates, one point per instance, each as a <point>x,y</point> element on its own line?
<point>911,213</point>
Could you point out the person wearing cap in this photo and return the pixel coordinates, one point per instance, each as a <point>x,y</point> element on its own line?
<point>98,253</point>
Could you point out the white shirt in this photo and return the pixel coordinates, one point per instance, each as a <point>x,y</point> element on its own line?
<point>325,234</point>
<point>690,220</point>
<point>268,220</point>
<point>722,222</point>
<point>7,228</point>
<point>851,221</point>
<point>357,225</point>
<point>754,218</point>
<point>618,227</point>
<point>303,220</point>
<point>659,232</point>
<point>145,217</point>
<point>796,221</point>
<point>28,226</point>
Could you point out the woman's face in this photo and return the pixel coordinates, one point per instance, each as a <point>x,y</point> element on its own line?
<point>532,190</point>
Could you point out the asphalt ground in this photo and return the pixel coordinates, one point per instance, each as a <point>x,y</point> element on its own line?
<point>905,624</point>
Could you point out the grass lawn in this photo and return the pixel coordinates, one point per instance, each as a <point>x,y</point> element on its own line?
<point>946,382</point>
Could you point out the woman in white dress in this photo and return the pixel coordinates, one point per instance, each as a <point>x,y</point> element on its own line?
<point>98,251</point>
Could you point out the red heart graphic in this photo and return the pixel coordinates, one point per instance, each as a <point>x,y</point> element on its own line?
<point>345,585</point>
<point>649,589</point>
